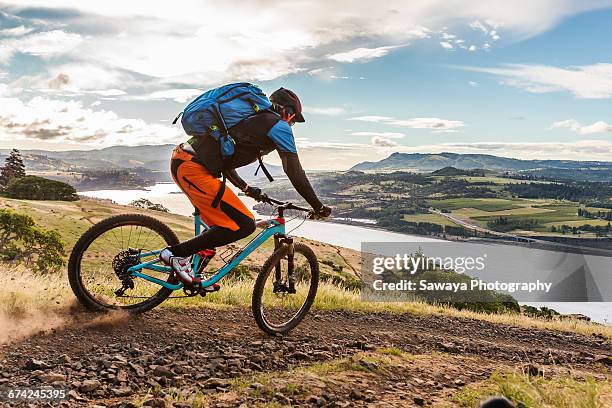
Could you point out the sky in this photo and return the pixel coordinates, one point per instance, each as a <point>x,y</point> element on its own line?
<point>522,78</point>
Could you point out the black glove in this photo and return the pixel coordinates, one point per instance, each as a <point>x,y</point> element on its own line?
<point>253,192</point>
<point>322,212</point>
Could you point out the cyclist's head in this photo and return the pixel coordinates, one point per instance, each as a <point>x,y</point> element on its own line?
<point>287,104</point>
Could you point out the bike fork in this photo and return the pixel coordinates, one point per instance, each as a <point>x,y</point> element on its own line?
<point>290,286</point>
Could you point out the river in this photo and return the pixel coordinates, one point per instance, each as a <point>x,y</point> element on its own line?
<point>352,236</point>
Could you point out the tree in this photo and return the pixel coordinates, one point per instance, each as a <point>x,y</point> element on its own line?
<point>148,205</point>
<point>13,167</point>
<point>21,241</point>
<point>38,188</point>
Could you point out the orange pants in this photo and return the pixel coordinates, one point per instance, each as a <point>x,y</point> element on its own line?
<point>201,188</point>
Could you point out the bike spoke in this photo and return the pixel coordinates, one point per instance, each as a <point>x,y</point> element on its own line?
<point>99,277</point>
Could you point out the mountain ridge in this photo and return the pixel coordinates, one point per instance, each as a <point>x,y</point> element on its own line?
<point>469,161</point>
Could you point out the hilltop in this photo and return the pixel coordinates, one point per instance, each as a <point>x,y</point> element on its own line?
<point>427,162</point>
<point>384,353</point>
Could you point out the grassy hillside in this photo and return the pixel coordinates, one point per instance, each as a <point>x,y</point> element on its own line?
<point>21,293</point>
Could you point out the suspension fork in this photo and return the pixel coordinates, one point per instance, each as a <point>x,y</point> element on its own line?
<point>278,242</point>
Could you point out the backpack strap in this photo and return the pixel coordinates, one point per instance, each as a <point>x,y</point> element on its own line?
<point>177,118</point>
<point>263,168</point>
<point>220,193</point>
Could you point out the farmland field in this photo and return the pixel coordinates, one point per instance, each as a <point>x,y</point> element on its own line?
<point>432,218</point>
<point>484,204</point>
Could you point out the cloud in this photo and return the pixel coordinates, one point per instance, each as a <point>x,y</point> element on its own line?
<point>584,81</point>
<point>478,25</point>
<point>575,126</point>
<point>383,142</point>
<point>178,95</point>
<point>473,83</point>
<point>80,78</point>
<point>44,44</point>
<point>579,150</point>
<point>325,111</point>
<point>446,45</point>
<point>362,54</point>
<point>16,31</point>
<point>389,135</point>
<point>65,122</point>
<point>436,124</point>
<point>169,46</point>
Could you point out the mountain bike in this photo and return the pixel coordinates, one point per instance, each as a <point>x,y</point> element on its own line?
<point>115,265</point>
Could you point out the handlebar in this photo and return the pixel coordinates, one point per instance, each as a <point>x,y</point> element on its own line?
<point>283,204</point>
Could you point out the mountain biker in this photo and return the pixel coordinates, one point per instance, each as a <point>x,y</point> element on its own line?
<point>197,165</point>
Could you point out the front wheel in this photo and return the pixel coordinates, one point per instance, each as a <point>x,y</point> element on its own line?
<point>278,304</point>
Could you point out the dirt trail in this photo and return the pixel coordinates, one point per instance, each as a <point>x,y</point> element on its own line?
<point>114,360</point>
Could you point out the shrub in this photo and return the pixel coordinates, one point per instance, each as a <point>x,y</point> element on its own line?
<point>21,241</point>
<point>148,205</point>
<point>38,188</point>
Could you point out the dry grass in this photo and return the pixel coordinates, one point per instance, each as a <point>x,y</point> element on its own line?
<point>29,304</point>
<point>39,303</point>
<point>537,392</point>
<point>330,297</point>
<point>22,294</point>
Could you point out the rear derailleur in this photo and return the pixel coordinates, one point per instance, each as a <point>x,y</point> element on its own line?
<point>122,262</point>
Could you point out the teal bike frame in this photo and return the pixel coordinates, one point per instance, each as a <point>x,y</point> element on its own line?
<point>271,227</point>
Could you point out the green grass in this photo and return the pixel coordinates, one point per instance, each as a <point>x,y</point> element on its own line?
<point>555,214</point>
<point>537,392</point>
<point>473,213</point>
<point>432,218</point>
<point>484,204</point>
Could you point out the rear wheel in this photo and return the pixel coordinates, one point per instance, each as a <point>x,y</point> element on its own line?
<point>275,308</point>
<point>100,258</point>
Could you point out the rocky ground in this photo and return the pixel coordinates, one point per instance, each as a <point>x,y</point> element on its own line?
<point>219,358</point>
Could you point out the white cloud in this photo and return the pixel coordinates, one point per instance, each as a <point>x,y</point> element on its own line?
<point>388,135</point>
<point>44,44</point>
<point>472,48</point>
<point>580,150</point>
<point>383,142</point>
<point>473,83</point>
<point>436,124</point>
<point>325,111</point>
<point>108,92</point>
<point>80,78</point>
<point>173,46</point>
<point>16,31</point>
<point>362,54</point>
<point>575,126</point>
<point>177,95</point>
<point>446,45</point>
<point>478,25</point>
<point>65,122</point>
<point>584,81</point>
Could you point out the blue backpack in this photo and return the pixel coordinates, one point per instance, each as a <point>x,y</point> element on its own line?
<point>216,111</point>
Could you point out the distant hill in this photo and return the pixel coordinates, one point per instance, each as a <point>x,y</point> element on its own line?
<point>155,158</point>
<point>431,162</point>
